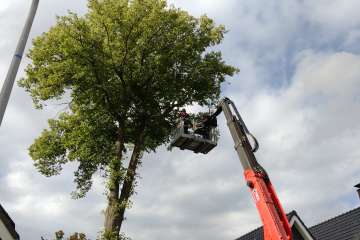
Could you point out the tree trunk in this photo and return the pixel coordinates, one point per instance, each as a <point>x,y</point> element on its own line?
<point>128,185</point>
<point>111,214</point>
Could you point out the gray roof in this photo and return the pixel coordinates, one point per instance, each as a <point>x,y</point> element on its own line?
<point>258,234</point>
<point>9,223</point>
<point>343,227</point>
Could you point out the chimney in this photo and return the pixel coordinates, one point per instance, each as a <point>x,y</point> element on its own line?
<point>358,188</point>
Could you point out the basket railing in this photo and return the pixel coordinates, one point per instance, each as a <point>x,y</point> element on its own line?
<point>213,133</point>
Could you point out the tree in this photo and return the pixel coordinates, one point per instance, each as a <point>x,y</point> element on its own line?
<point>124,68</point>
<point>60,235</point>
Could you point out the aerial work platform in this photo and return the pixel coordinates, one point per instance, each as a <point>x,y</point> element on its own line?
<point>192,141</point>
<point>203,137</point>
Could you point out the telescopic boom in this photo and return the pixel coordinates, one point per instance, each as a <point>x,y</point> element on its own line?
<point>273,217</point>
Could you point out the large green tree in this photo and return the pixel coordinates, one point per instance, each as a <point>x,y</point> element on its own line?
<point>124,68</point>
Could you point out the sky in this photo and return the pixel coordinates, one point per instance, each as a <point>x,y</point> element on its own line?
<point>298,91</point>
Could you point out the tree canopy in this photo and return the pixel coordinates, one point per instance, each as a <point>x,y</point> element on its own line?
<point>125,68</point>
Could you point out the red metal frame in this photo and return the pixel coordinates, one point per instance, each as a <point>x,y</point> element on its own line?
<point>273,217</point>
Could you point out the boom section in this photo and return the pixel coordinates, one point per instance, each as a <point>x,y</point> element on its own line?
<point>276,225</point>
<point>238,131</point>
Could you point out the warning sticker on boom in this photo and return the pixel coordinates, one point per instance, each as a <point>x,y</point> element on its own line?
<point>255,195</point>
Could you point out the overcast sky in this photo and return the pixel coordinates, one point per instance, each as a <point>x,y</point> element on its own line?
<point>298,91</point>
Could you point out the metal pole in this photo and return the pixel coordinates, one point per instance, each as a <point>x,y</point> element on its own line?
<point>14,66</point>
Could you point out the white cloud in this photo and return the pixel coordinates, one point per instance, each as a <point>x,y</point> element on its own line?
<point>336,14</point>
<point>335,75</point>
<point>352,38</point>
<point>321,115</point>
<point>4,7</point>
<point>296,91</point>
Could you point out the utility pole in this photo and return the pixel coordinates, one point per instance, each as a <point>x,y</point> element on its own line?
<point>14,66</point>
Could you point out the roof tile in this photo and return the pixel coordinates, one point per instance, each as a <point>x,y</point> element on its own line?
<point>343,227</point>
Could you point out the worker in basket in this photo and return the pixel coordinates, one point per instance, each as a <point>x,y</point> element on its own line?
<point>205,125</point>
<point>185,118</point>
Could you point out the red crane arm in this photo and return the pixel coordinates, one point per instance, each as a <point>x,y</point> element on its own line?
<point>273,217</point>
<point>276,225</point>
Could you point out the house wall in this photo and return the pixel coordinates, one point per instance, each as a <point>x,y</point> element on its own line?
<point>4,233</point>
